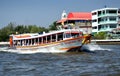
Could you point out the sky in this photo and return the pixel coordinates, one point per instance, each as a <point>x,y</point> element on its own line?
<point>45,12</point>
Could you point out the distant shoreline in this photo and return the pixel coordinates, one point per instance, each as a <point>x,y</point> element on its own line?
<point>107,42</point>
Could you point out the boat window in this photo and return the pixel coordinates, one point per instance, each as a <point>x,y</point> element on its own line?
<point>48,39</point>
<point>60,36</point>
<point>40,40</point>
<point>18,43</point>
<point>53,37</point>
<point>14,42</point>
<point>40,33</point>
<point>27,42</point>
<point>44,39</point>
<point>75,34</point>
<point>68,35</point>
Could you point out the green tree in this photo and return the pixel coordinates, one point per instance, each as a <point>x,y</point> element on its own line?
<point>6,31</point>
<point>53,26</point>
<point>34,29</point>
<point>12,28</point>
<point>4,34</point>
<point>100,35</point>
<point>43,29</point>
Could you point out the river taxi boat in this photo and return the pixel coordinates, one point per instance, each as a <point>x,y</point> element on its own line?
<point>54,41</point>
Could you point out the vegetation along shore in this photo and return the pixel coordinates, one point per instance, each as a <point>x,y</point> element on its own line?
<point>12,28</point>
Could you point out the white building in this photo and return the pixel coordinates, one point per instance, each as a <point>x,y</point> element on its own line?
<point>73,20</point>
<point>105,19</point>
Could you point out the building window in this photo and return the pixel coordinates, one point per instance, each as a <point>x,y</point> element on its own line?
<point>112,25</point>
<point>112,11</point>
<point>94,13</point>
<point>103,11</point>
<point>102,19</point>
<point>112,18</point>
<point>95,27</point>
<point>99,13</point>
<point>95,20</point>
<point>119,18</point>
<point>99,27</point>
<point>119,11</point>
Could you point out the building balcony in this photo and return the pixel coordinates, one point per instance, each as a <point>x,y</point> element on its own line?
<point>103,15</point>
<point>94,30</point>
<point>94,24</point>
<point>107,22</point>
<point>105,29</point>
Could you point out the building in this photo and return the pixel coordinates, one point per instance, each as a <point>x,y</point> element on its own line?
<point>105,19</point>
<point>82,20</point>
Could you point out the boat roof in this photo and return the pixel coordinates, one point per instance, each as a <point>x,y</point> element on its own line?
<point>36,35</point>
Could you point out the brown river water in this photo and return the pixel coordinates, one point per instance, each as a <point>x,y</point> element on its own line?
<point>94,60</point>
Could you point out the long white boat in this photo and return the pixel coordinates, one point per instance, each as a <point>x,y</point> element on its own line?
<point>54,41</point>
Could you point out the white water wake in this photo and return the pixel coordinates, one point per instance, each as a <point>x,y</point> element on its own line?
<point>6,49</point>
<point>93,47</point>
<point>90,47</point>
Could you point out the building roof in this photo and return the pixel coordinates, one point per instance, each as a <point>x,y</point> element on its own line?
<point>77,16</point>
<point>104,9</point>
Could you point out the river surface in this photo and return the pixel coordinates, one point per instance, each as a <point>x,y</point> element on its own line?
<point>95,60</point>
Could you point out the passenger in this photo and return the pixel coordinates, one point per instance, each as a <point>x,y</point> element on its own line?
<point>18,43</point>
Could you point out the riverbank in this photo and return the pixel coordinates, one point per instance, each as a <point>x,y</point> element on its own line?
<point>107,42</point>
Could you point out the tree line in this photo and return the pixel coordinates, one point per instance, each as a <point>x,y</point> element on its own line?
<point>12,28</point>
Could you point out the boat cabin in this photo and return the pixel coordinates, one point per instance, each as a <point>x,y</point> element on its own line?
<point>44,38</point>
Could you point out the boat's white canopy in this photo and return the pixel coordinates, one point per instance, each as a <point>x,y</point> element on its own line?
<point>37,35</point>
